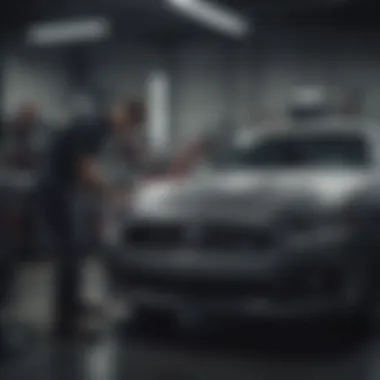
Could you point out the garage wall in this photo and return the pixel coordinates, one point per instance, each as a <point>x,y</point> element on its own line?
<point>42,76</point>
<point>122,70</point>
<point>209,80</point>
<point>265,71</point>
<point>199,84</point>
<point>38,76</point>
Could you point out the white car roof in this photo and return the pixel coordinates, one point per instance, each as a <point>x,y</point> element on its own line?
<point>338,124</point>
<point>325,125</point>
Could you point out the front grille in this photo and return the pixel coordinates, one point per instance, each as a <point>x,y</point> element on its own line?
<point>155,236</point>
<point>200,286</point>
<point>206,236</point>
<point>226,237</point>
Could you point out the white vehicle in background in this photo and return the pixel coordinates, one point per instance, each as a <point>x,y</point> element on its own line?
<point>283,225</point>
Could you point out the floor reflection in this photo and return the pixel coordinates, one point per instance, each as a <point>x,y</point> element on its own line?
<point>225,351</point>
<point>204,357</point>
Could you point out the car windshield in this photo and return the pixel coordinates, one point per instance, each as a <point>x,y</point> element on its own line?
<point>332,150</point>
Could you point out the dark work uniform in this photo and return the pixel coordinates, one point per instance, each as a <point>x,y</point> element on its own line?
<point>57,191</point>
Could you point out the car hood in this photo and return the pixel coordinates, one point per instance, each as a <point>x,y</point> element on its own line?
<point>243,193</point>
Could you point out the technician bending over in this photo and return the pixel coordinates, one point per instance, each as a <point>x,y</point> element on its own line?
<point>71,167</point>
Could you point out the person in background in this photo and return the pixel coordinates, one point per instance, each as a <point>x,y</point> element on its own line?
<point>21,151</point>
<point>24,139</point>
<point>72,166</point>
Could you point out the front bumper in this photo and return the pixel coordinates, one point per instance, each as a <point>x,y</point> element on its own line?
<point>246,306</point>
<point>269,289</point>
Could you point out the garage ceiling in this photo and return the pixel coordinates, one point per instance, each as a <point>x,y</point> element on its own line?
<point>344,15</point>
<point>147,17</point>
<point>133,19</point>
<point>293,5</point>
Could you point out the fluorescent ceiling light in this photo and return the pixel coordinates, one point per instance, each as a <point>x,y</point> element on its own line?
<point>212,15</point>
<point>65,32</point>
<point>158,94</point>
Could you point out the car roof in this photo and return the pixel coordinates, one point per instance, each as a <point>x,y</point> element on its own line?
<point>322,125</point>
<point>336,125</point>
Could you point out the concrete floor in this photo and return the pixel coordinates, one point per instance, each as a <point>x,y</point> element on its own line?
<point>254,352</point>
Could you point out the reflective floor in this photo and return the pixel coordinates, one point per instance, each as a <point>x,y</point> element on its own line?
<point>233,351</point>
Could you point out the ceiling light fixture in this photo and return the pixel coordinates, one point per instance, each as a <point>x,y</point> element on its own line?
<point>67,32</point>
<point>213,16</point>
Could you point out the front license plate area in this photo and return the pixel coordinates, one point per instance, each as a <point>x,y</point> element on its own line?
<point>192,313</point>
